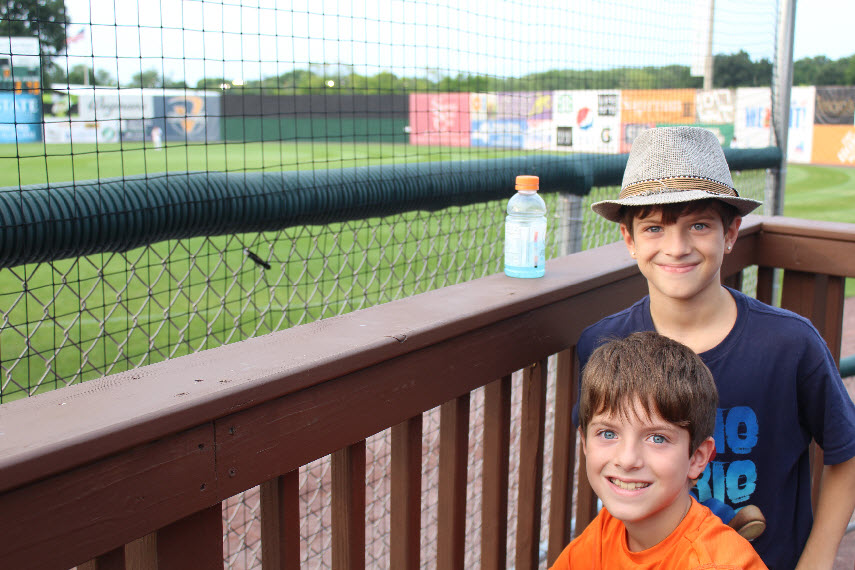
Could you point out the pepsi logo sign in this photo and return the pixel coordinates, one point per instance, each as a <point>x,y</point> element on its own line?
<point>585,118</point>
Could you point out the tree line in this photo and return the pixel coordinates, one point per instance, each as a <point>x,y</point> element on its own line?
<point>729,70</point>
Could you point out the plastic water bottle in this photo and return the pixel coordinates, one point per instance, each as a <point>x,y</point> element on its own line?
<point>525,230</point>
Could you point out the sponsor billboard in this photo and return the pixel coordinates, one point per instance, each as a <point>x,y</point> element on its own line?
<point>528,105</point>
<point>753,121</point>
<point>539,134</point>
<point>65,130</point>
<point>657,106</point>
<point>503,133</point>
<point>833,144</point>
<point>715,106</point>
<point>186,117</point>
<point>483,106</point>
<point>20,117</point>
<point>439,119</point>
<point>835,106</point>
<point>586,121</point>
<point>800,136</point>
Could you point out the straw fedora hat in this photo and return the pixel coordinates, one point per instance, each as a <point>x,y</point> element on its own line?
<point>669,165</point>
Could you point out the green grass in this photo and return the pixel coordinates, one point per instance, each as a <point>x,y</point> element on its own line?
<point>40,163</point>
<point>821,193</point>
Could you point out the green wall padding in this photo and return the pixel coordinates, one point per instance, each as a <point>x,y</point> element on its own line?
<point>57,221</point>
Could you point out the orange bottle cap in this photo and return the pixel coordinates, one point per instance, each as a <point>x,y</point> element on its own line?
<point>528,183</point>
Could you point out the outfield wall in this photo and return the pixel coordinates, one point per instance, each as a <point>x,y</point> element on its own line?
<point>589,121</point>
<point>821,119</point>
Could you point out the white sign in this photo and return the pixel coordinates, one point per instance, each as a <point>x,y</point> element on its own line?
<point>586,121</point>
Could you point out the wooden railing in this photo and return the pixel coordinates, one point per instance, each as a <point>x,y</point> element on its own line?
<point>130,470</point>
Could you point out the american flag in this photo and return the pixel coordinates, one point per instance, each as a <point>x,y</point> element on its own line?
<point>76,37</point>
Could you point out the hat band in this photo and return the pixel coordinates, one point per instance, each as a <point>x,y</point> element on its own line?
<point>681,184</point>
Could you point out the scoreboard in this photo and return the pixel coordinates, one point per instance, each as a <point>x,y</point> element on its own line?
<point>20,65</point>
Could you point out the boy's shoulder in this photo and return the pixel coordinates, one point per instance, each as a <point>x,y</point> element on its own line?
<point>712,544</point>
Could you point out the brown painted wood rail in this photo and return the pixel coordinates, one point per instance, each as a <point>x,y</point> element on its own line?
<point>130,470</point>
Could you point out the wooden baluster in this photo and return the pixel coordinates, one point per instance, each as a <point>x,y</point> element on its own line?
<point>280,522</point>
<point>820,299</point>
<point>141,554</point>
<point>406,491</point>
<point>195,541</point>
<point>533,416</point>
<point>348,507</point>
<point>113,560</point>
<point>495,471</point>
<point>765,278</point>
<point>734,281</point>
<point>453,463</point>
<point>563,455</point>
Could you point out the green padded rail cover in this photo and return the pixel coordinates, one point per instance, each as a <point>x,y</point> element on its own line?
<point>62,220</point>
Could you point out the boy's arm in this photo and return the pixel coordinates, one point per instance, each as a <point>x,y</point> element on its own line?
<point>834,509</point>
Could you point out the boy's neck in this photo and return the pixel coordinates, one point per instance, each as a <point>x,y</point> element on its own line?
<point>701,323</point>
<point>642,535</point>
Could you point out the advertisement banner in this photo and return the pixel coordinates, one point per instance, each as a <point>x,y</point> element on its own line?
<point>833,144</point>
<point>500,133</point>
<point>800,137</point>
<point>835,106</point>
<point>483,106</point>
<point>77,131</point>
<point>20,117</point>
<point>752,123</point>
<point>529,105</point>
<point>187,117</point>
<point>715,106</point>
<point>539,135</point>
<point>439,119</point>
<point>658,106</point>
<point>586,121</point>
<point>106,104</point>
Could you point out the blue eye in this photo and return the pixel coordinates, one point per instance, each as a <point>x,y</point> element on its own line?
<point>608,434</point>
<point>658,438</point>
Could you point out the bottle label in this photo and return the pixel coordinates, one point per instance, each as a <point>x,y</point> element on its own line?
<point>525,244</point>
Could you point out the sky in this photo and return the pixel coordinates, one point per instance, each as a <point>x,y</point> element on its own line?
<point>251,39</point>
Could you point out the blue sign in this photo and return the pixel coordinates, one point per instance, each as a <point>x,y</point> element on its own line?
<point>20,117</point>
<point>503,133</point>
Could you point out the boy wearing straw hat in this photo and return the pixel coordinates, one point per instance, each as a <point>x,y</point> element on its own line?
<point>647,410</point>
<point>778,385</point>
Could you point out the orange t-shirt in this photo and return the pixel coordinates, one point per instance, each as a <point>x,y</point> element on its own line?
<point>700,542</point>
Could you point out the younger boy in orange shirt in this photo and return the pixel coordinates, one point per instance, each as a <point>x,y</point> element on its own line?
<point>647,412</point>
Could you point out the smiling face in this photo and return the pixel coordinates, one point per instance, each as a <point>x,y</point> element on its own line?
<point>681,259</point>
<point>640,466</point>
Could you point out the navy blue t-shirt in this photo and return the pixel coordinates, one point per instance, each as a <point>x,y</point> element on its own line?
<point>778,388</point>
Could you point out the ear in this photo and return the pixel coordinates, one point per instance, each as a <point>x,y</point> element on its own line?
<point>582,438</point>
<point>701,456</point>
<point>627,238</point>
<point>731,233</point>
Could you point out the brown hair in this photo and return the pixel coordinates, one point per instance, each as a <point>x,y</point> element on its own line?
<point>670,212</point>
<point>664,376</point>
